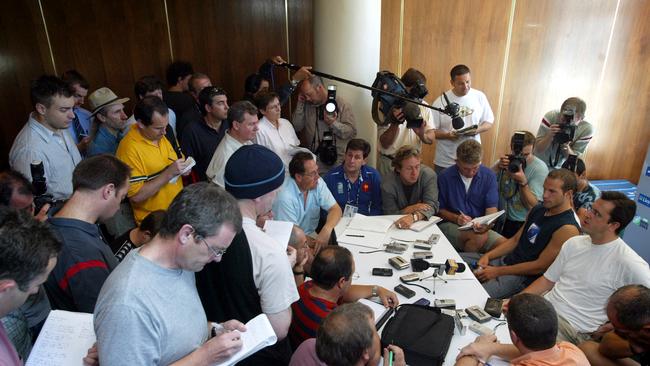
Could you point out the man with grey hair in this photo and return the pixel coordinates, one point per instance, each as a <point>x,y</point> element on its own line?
<point>136,321</point>
<point>317,128</point>
<point>244,125</point>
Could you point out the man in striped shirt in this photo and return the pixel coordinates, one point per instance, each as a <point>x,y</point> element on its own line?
<point>331,272</point>
<point>100,183</point>
<point>554,141</point>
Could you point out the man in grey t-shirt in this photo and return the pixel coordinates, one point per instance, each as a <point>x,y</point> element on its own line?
<point>149,311</point>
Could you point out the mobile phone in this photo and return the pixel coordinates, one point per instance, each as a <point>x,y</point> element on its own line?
<point>422,301</point>
<point>404,291</point>
<point>398,262</point>
<point>410,277</point>
<point>422,255</point>
<point>493,307</point>
<point>386,272</point>
<point>396,248</point>
<point>478,314</point>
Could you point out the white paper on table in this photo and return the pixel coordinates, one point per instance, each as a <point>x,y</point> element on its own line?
<point>367,239</point>
<point>259,334</point>
<point>423,224</point>
<point>64,340</point>
<point>279,230</point>
<point>378,224</point>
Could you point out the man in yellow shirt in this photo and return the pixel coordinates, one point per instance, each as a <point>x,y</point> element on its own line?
<point>155,166</point>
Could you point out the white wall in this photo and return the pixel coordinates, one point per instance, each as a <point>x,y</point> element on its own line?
<point>346,44</point>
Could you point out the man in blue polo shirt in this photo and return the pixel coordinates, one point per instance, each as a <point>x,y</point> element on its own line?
<point>100,184</point>
<point>356,186</point>
<point>302,197</point>
<point>467,190</point>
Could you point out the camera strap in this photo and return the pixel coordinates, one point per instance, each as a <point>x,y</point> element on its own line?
<point>557,156</point>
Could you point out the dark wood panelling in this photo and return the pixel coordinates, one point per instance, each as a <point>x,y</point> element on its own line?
<point>228,40</point>
<point>553,57</point>
<point>112,43</point>
<point>622,107</point>
<point>23,56</point>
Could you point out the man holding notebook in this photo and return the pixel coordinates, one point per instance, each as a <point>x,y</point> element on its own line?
<point>149,311</point>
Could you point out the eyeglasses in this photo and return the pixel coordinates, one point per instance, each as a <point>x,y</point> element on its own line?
<point>311,175</point>
<point>217,253</point>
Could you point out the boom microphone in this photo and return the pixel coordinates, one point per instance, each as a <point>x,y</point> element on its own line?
<point>453,111</point>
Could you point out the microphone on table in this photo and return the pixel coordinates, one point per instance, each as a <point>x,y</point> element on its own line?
<point>451,267</point>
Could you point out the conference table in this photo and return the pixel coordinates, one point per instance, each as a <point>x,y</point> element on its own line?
<point>463,287</point>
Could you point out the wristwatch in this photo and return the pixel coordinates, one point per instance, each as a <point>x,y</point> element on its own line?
<point>375,291</point>
<point>415,216</point>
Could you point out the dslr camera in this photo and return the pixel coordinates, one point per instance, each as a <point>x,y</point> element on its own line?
<point>39,187</point>
<point>327,149</point>
<point>517,159</point>
<point>567,129</point>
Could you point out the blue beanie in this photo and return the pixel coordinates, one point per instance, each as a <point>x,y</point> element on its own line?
<point>253,171</point>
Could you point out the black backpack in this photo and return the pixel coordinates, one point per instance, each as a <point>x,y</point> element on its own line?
<point>422,332</point>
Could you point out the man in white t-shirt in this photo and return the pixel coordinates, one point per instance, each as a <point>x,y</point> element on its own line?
<point>394,135</point>
<point>243,129</point>
<point>481,116</point>
<point>591,267</point>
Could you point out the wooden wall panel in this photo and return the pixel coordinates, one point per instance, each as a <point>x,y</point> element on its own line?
<point>440,34</point>
<point>623,105</point>
<point>112,43</point>
<point>389,57</point>
<point>23,56</point>
<point>553,57</point>
<point>228,40</point>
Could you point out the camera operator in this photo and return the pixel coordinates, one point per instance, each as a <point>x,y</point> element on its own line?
<point>563,132</point>
<point>323,133</point>
<point>520,176</point>
<point>397,134</point>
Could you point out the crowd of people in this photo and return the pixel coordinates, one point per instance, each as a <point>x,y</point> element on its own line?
<point>154,221</point>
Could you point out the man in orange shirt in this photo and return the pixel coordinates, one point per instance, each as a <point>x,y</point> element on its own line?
<point>533,328</point>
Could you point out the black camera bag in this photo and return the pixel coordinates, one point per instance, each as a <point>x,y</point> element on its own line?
<point>422,332</point>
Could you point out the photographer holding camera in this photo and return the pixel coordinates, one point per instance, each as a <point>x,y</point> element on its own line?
<point>520,176</point>
<point>398,132</point>
<point>325,133</point>
<point>563,132</point>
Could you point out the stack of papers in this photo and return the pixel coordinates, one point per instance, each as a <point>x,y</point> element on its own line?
<point>259,334</point>
<point>64,340</point>
<point>279,230</point>
<point>483,220</point>
<point>421,225</point>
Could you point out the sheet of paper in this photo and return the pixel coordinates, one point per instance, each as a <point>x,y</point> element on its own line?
<point>279,230</point>
<point>377,309</point>
<point>367,239</point>
<point>64,340</point>
<point>483,220</point>
<point>423,224</point>
<point>192,163</point>
<point>259,334</point>
<point>379,224</point>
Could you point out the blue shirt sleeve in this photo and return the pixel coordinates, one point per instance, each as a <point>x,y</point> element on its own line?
<point>376,195</point>
<point>492,190</point>
<point>325,198</point>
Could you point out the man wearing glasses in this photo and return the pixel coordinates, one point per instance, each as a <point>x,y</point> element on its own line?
<point>255,276</point>
<point>148,311</point>
<point>303,196</point>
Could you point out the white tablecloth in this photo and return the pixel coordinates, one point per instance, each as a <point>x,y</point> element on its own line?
<point>464,288</point>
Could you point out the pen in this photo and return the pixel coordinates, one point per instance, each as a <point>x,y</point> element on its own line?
<point>355,235</point>
<point>390,358</point>
<point>171,159</point>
